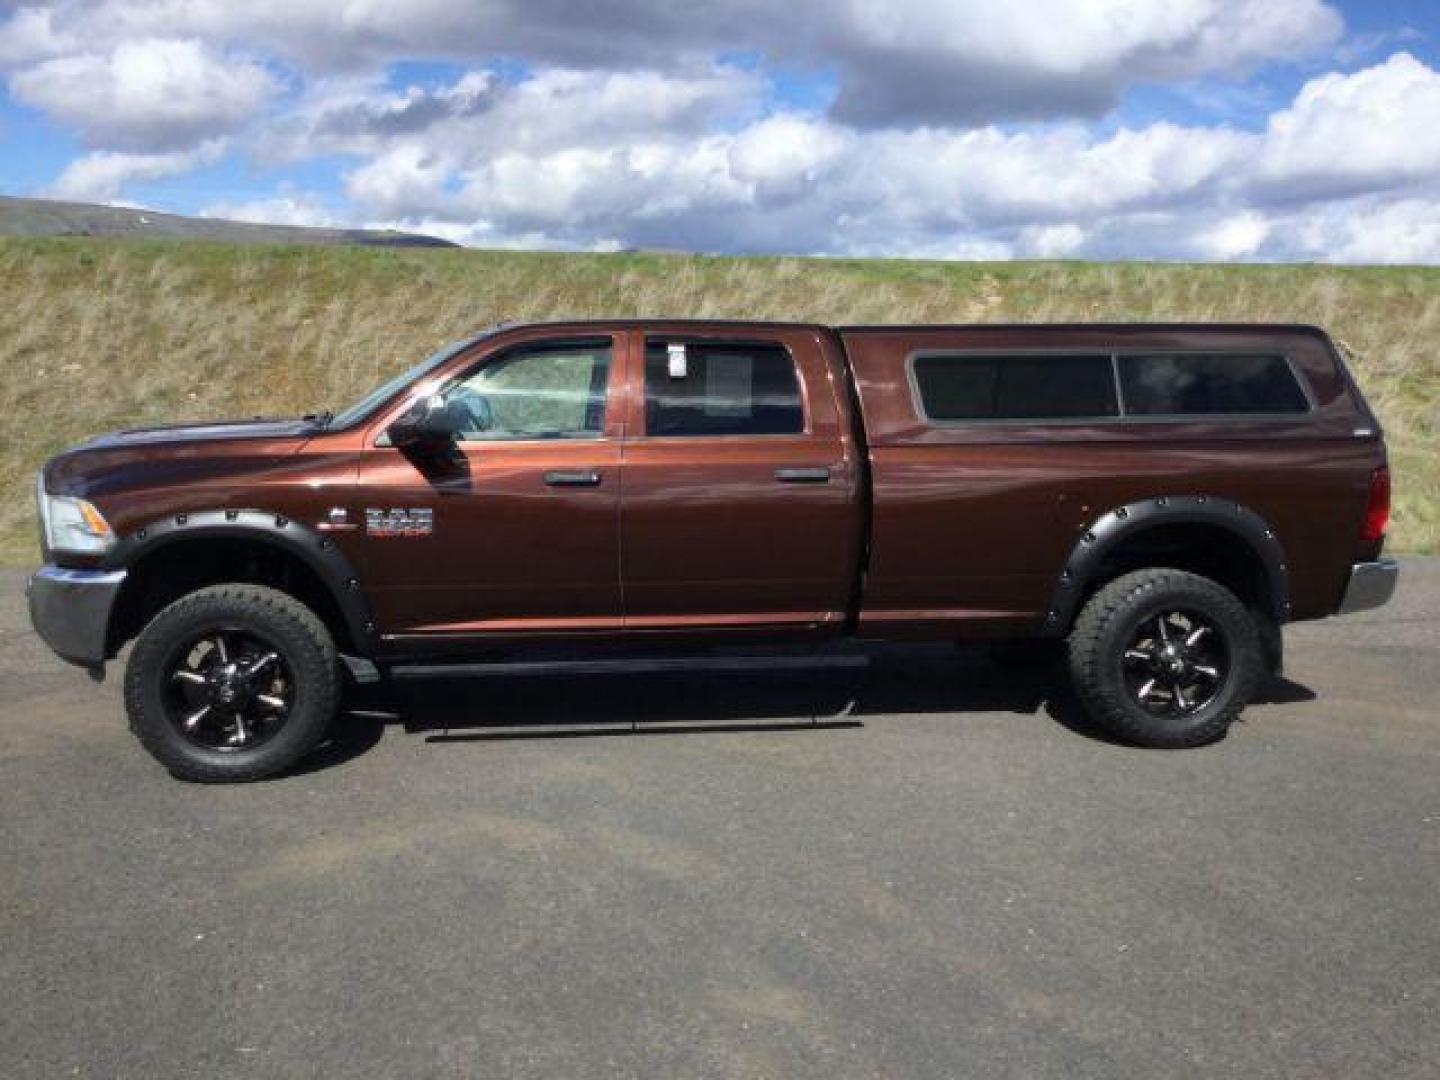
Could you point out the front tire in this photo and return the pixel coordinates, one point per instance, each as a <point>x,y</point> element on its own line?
<point>1165,658</point>
<point>232,683</point>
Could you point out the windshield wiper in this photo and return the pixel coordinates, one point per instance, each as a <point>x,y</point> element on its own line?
<point>320,419</point>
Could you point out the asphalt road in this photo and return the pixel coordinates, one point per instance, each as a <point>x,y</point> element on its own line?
<point>922,868</point>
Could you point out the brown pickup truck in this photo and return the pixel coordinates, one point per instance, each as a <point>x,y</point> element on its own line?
<point>1161,497</point>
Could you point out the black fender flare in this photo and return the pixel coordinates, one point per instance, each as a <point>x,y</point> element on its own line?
<point>1113,527</point>
<point>314,549</point>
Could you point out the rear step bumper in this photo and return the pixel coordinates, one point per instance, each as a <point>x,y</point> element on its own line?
<point>1371,584</point>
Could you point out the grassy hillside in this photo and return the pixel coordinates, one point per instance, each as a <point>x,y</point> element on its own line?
<point>96,334</point>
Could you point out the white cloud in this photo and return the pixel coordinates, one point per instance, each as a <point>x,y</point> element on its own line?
<point>1238,236</point>
<point>302,210</point>
<point>626,129</point>
<point>786,155</point>
<point>1369,231</point>
<point>409,181</point>
<point>102,176</point>
<point>147,95</point>
<point>553,109</point>
<point>30,35</point>
<point>802,182</point>
<point>939,62</point>
<point>1051,241</point>
<point>796,183</point>
<point>902,62</point>
<point>1349,133</point>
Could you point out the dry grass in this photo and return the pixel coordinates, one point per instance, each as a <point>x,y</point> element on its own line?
<point>95,335</point>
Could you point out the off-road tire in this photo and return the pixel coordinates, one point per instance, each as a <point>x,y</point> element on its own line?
<point>1104,630</point>
<point>296,633</point>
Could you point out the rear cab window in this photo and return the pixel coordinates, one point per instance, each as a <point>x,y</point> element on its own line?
<point>714,388</point>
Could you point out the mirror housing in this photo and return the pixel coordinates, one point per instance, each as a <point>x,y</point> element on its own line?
<point>424,425</point>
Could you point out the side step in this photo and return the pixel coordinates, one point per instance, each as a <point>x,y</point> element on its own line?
<point>361,669</point>
<point>629,665</point>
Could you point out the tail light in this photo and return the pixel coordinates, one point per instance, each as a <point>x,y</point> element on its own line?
<point>1377,508</point>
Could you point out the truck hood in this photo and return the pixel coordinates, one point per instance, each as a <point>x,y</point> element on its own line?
<point>206,432</point>
<point>182,454</point>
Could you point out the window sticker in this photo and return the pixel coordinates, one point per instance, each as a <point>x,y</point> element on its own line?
<point>676,355</point>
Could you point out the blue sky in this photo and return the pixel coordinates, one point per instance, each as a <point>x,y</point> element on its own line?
<point>1156,129</point>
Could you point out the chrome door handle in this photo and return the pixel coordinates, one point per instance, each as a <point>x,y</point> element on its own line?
<point>803,476</point>
<point>578,478</point>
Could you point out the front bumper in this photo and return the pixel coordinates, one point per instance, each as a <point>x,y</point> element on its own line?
<point>70,610</point>
<point>1371,584</point>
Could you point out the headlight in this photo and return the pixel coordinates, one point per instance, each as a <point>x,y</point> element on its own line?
<point>72,525</point>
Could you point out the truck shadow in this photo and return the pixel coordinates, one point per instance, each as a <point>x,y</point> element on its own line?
<point>560,704</point>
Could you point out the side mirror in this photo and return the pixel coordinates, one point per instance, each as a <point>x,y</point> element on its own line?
<point>425,425</point>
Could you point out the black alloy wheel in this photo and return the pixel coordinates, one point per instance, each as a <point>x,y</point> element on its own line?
<point>228,689</point>
<point>1176,663</point>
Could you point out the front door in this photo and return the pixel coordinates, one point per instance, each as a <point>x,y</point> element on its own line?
<point>517,530</point>
<point>739,504</point>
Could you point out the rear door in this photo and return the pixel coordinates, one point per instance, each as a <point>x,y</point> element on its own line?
<point>739,502</point>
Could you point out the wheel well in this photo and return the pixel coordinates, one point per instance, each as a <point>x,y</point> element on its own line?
<point>1212,551</point>
<point>175,569</point>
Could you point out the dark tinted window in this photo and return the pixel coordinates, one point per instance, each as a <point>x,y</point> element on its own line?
<point>720,389</point>
<point>1199,383</point>
<point>1015,387</point>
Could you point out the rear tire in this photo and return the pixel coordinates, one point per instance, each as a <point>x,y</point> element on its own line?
<point>232,683</point>
<point>1165,658</point>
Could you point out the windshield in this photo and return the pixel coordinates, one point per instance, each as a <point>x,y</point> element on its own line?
<point>381,394</point>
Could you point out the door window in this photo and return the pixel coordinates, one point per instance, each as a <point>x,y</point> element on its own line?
<point>541,392</point>
<point>720,388</point>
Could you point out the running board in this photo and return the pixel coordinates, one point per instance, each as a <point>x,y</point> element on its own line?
<point>627,666</point>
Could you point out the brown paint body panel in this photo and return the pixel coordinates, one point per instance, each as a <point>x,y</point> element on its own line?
<point>972,522</point>
<point>916,530</point>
